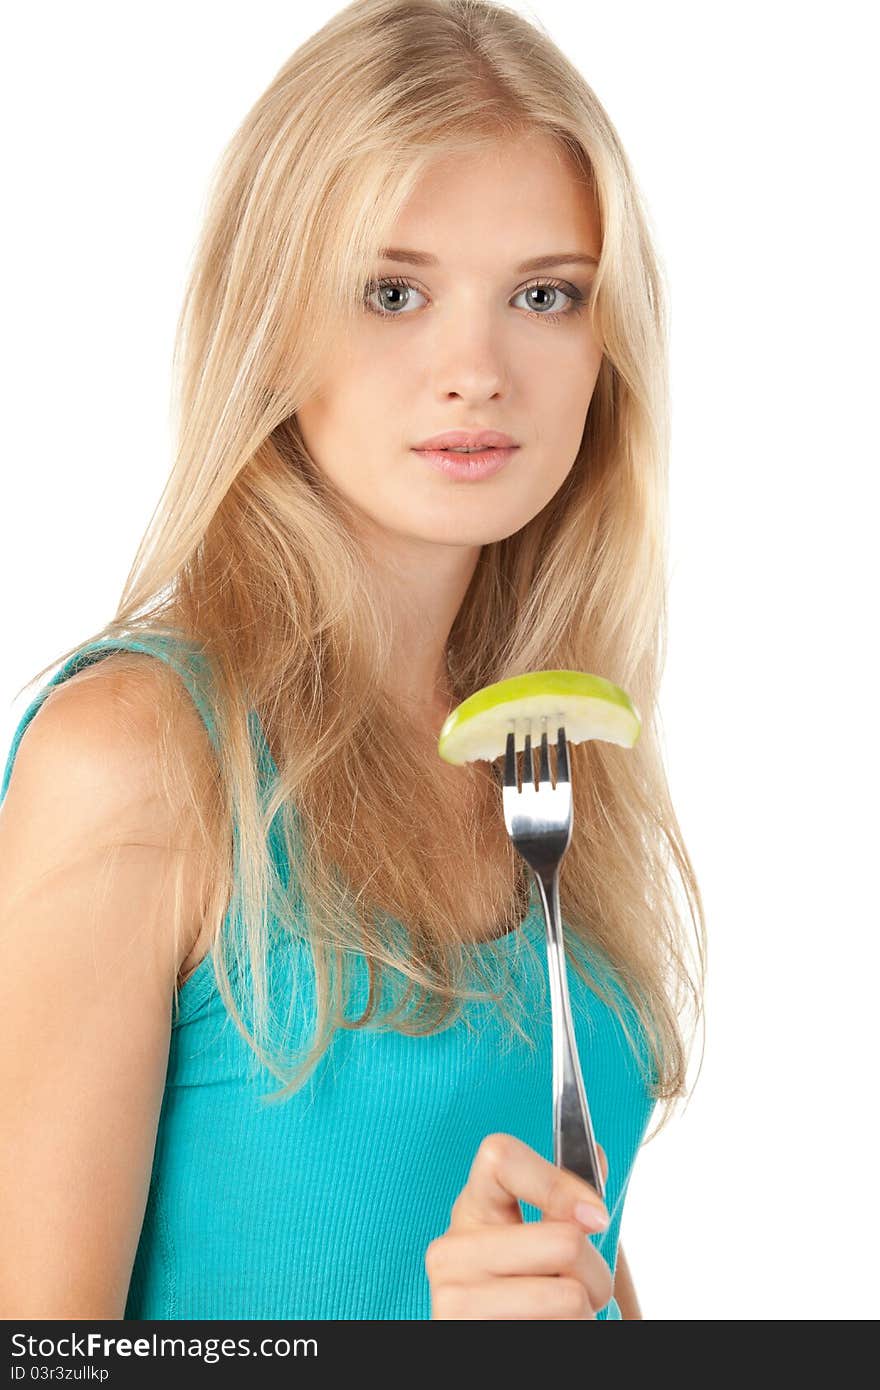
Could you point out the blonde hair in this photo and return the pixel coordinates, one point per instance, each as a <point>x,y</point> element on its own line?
<point>253,557</point>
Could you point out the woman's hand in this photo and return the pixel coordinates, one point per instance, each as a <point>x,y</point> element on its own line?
<point>490,1263</point>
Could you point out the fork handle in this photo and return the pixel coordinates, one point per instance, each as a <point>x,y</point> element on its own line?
<point>574,1144</point>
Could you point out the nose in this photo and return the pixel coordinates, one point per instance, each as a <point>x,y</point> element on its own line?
<point>469,360</point>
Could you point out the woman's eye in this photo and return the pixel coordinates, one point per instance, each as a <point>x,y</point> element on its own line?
<point>389,308</point>
<point>549,289</point>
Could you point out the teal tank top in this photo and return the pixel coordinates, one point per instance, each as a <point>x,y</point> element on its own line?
<point>322,1206</point>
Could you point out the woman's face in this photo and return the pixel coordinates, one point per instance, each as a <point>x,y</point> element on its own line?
<point>471,342</point>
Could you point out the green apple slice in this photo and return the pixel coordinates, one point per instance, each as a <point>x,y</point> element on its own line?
<point>588,706</point>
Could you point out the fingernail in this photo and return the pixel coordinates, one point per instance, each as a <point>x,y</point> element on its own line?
<point>591,1216</point>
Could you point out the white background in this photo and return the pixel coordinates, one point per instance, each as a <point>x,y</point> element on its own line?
<point>753,138</point>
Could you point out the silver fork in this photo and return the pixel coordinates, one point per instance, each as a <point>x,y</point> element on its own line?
<point>539,823</point>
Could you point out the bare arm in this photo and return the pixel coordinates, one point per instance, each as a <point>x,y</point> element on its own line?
<point>624,1289</point>
<point>86,977</point>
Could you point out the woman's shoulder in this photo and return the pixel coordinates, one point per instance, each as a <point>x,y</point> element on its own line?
<point>116,718</point>
<point>104,762</point>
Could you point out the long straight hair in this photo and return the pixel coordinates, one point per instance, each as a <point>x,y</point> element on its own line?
<point>252,556</point>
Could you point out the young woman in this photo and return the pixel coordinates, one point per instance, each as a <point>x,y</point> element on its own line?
<point>229,849</point>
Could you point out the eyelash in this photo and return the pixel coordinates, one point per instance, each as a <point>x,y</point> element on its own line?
<point>578,301</point>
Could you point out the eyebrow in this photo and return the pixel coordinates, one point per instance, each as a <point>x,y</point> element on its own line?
<point>402,253</point>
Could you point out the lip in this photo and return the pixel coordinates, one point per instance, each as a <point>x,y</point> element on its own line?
<point>467,468</point>
<point>468,439</point>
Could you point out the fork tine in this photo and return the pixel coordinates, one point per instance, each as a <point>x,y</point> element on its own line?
<point>563,772</point>
<point>544,761</point>
<point>510,777</point>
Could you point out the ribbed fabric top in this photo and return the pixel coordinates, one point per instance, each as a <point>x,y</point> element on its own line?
<point>323,1205</point>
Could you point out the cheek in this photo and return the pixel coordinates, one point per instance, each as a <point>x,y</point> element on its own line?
<point>573,388</point>
<point>564,402</point>
<point>339,414</point>
<point>559,405</point>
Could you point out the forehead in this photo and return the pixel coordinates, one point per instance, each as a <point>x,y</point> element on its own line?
<point>514,199</point>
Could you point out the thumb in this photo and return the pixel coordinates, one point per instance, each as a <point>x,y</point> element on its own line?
<point>603,1160</point>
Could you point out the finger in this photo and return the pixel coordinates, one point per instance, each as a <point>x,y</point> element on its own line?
<point>506,1171</point>
<point>515,1299</point>
<point>533,1248</point>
